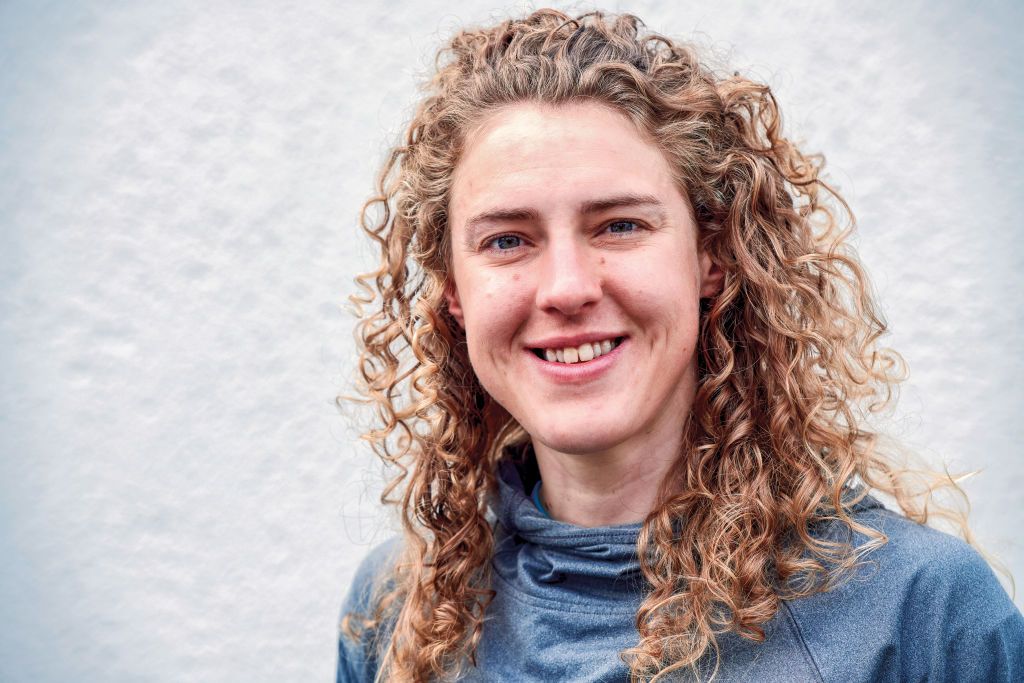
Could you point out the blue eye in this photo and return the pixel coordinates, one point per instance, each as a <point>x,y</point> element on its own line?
<point>621,227</point>
<point>505,242</point>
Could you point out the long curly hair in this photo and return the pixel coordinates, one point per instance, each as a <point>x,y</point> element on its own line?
<point>778,441</point>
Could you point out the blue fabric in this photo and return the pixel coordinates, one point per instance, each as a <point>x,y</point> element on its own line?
<point>537,501</point>
<point>926,607</point>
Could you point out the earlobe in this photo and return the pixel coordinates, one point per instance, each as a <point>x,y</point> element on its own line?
<point>451,295</point>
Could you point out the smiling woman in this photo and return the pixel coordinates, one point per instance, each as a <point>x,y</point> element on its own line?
<point>622,357</point>
<point>612,259</point>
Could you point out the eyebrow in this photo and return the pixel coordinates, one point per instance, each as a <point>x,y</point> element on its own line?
<point>602,205</point>
<point>590,207</point>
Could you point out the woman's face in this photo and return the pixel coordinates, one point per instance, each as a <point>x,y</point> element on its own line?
<point>571,242</point>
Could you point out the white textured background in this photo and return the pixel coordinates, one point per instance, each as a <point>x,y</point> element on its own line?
<point>179,498</point>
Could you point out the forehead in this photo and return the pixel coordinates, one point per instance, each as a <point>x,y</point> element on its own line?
<point>548,156</point>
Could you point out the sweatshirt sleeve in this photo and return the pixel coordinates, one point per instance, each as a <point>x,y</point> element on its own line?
<point>357,662</point>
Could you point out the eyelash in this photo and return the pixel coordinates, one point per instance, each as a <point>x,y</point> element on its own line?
<point>489,245</point>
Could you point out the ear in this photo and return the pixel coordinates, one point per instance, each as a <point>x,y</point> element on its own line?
<point>712,276</point>
<point>451,296</point>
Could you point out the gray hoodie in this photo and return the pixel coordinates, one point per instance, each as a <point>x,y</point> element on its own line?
<point>925,607</point>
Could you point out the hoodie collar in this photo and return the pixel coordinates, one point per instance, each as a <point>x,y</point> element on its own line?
<point>537,551</point>
<point>534,552</point>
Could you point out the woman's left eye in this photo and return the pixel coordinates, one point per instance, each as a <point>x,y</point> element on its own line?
<point>504,242</point>
<point>622,227</point>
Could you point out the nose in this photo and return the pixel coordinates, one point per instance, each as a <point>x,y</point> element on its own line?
<point>570,281</point>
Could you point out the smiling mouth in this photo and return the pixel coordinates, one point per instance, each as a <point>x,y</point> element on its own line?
<point>578,354</point>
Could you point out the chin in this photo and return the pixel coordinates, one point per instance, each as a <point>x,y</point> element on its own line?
<point>578,439</point>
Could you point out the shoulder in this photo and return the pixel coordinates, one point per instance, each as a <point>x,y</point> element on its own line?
<point>356,657</point>
<point>931,571</point>
<point>925,605</point>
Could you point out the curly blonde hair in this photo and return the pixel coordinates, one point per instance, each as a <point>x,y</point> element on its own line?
<point>789,363</point>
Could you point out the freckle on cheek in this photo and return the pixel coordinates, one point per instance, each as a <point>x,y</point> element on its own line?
<point>516,277</point>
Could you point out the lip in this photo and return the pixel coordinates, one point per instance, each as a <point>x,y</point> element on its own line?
<point>578,373</point>
<point>572,340</point>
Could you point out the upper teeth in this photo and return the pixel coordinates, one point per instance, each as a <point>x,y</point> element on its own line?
<point>580,354</point>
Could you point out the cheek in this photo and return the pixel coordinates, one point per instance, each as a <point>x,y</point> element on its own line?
<point>662,303</point>
<point>495,308</point>
<point>661,293</point>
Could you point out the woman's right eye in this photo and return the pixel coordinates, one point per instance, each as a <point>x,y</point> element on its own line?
<point>504,242</point>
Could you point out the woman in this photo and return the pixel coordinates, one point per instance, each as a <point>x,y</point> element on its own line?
<point>621,357</point>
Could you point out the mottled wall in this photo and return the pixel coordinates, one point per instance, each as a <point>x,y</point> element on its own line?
<point>179,497</point>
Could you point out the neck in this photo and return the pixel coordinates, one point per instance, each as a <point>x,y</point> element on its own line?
<point>607,488</point>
